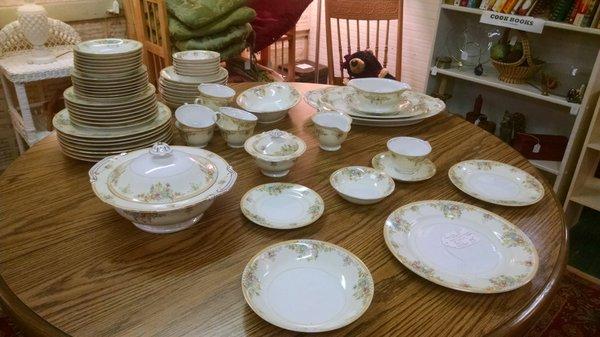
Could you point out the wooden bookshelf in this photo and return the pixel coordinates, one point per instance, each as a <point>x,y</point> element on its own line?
<point>561,46</point>
<point>548,23</point>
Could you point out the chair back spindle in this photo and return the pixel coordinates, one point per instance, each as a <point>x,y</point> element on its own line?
<point>361,13</point>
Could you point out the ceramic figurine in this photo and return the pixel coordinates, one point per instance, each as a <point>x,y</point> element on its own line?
<point>473,115</point>
<point>478,70</point>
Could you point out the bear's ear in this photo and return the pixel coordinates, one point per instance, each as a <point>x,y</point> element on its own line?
<point>368,50</point>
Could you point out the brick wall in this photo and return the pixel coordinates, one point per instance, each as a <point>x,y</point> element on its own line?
<point>90,29</point>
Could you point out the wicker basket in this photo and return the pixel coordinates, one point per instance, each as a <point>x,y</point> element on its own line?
<point>523,69</point>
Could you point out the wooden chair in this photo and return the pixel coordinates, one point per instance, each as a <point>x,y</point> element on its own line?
<point>363,15</point>
<point>279,61</point>
<point>152,29</point>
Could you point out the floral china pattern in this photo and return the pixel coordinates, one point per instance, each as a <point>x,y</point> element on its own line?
<point>363,288</point>
<point>533,189</point>
<point>314,211</point>
<point>509,237</point>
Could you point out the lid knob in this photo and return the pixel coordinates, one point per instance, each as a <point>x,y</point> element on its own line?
<point>161,149</point>
<point>276,133</point>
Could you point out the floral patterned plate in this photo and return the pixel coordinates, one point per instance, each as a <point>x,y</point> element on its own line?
<point>313,98</point>
<point>282,205</point>
<point>461,246</point>
<point>307,286</point>
<point>496,183</point>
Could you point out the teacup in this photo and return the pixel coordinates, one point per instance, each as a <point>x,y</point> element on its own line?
<point>408,153</point>
<point>214,95</point>
<point>196,124</point>
<point>378,94</point>
<point>236,125</point>
<point>331,129</point>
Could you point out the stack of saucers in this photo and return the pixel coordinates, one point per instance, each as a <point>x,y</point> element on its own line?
<point>178,84</point>
<point>111,107</point>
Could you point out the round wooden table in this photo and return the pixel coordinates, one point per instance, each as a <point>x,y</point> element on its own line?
<point>70,265</point>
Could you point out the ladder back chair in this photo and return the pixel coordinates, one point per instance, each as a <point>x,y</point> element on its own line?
<point>274,56</point>
<point>356,16</point>
<point>152,29</point>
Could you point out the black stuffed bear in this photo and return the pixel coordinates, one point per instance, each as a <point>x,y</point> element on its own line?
<point>363,63</point>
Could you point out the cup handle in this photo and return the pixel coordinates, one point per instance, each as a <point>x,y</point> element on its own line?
<point>199,100</point>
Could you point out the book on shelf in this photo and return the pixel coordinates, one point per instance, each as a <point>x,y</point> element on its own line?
<point>499,5</point>
<point>508,6</point>
<point>589,15</point>
<point>463,3</point>
<point>581,10</point>
<point>561,10</point>
<point>484,4</point>
<point>517,6</point>
<point>596,19</point>
<point>571,17</point>
<point>526,7</point>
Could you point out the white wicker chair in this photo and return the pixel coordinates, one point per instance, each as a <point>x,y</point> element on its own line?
<point>13,40</point>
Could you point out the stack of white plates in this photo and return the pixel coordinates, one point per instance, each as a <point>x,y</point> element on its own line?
<point>178,84</point>
<point>111,107</point>
<point>94,143</point>
<point>198,63</point>
<point>417,108</point>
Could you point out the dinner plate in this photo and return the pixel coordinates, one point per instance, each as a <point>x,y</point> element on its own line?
<point>307,286</point>
<point>62,122</point>
<point>107,47</point>
<point>496,183</point>
<point>116,141</point>
<point>70,96</point>
<point>115,146</point>
<point>282,205</point>
<point>461,246</point>
<point>98,157</point>
<point>169,75</point>
<point>88,151</point>
<point>148,109</point>
<point>113,124</point>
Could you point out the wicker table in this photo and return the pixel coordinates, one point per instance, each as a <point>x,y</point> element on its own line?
<point>16,70</point>
<point>71,265</point>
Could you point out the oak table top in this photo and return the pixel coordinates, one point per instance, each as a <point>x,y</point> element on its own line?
<point>70,265</point>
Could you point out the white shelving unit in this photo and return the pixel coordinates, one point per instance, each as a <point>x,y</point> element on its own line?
<point>561,46</point>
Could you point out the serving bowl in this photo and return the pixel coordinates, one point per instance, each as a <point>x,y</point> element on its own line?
<point>362,185</point>
<point>269,102</point>
<point>236,125</point>
<point>163,189</point>
<point>196,124</point>
<point>275,151</point>
<point>378,95</point>
<point>331,129</point>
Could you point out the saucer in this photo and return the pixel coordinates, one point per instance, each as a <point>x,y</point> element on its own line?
<point>282,205</point>
<point>384,162</point>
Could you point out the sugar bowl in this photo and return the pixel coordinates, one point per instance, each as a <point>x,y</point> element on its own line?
<point>275,151</point>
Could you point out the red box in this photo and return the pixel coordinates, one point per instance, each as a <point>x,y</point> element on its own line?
<point>540,147</point>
